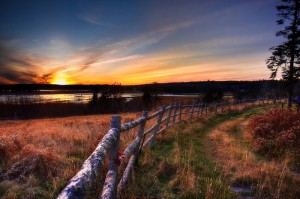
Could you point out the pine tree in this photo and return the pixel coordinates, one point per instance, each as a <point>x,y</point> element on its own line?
<point>286,55</point>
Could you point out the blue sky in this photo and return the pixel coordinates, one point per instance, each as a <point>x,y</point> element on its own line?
<point>134,41</point>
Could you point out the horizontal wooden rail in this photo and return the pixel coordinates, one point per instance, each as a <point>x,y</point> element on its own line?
<point>131,125</point>
<point>84,179</point>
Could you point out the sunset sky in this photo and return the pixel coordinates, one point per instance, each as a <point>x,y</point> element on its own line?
<point>135,41</point>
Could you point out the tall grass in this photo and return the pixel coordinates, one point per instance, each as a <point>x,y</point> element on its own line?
<point>39,156</point>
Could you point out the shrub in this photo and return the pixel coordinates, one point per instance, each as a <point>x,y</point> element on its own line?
<point>275,133</point>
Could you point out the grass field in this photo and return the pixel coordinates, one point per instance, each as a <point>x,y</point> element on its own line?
<point>39,156</point>
<point>194,160</point>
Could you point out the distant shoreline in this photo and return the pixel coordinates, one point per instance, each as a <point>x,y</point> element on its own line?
<point>58,109</point>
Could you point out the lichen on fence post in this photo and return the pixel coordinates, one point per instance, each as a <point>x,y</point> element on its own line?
<point>83,181</point>
<point>141,133</point>
<point>134,157</point>
<point>155,131</point>
<point>110,184</point>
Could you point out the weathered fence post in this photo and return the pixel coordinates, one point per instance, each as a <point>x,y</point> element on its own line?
<point>110,184</point>
<point>140,134</point>
<point>156,129</point>
<point>175,112</point>
<point>134,157</point>
<point>169,115</point>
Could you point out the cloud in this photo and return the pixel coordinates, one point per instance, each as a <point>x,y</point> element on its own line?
<point>160,49</point>
<point>93,19</point>
<point>122,50</point>
<point>18,67</point>
<point>89,61</point>
<point>10,65</point>
<point>121,59</point>
<point>107,52</point>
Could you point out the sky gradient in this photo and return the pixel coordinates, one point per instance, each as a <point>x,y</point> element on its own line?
<point>135,41</point>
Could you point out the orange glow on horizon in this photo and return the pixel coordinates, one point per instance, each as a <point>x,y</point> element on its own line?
<point>60,82</point>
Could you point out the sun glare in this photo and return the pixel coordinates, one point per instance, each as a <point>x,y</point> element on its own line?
<point>60,82</point>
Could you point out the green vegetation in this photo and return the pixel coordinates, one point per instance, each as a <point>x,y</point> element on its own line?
<point>178,165</point>
<point>211,158</point>
<point>207,158</point>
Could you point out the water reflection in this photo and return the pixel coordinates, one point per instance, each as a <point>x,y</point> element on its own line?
<point>64,98</point>
<point>52,98</point>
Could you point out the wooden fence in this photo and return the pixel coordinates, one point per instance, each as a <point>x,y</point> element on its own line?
<point>166,117</point>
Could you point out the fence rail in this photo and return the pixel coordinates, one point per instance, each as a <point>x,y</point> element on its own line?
<point>166,117</point>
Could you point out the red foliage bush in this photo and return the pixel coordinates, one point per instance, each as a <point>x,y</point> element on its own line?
<point>275,132</point>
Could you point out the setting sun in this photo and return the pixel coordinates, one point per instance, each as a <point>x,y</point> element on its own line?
<point>60,82</point>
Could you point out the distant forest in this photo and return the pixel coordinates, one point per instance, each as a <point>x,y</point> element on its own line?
<point>249,88</point>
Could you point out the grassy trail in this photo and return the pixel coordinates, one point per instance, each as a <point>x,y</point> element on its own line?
<point>249,173</point>
<point>210,159</point>
<point>180,166</point>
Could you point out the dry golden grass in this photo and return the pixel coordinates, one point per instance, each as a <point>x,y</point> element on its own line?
<point>55,147</point>
<point>245,169</point>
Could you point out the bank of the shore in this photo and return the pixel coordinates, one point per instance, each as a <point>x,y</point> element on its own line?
<point>28,110</point>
